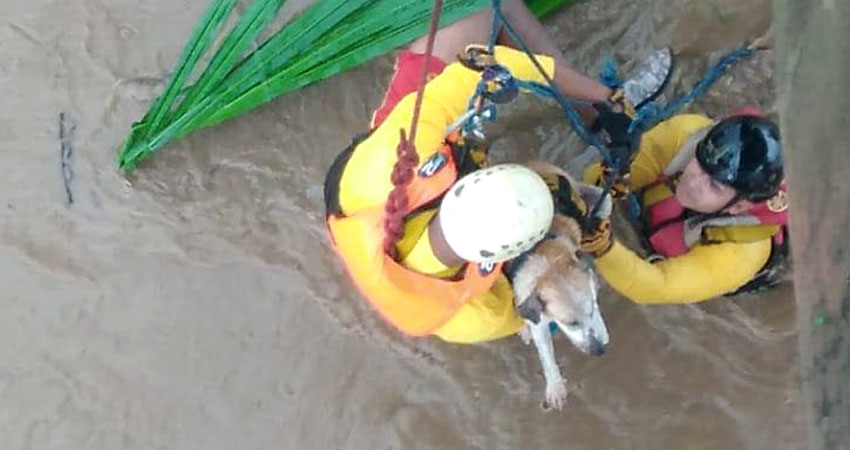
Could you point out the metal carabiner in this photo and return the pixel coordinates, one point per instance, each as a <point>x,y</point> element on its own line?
<point>501,85</point>
<point>476,57</point>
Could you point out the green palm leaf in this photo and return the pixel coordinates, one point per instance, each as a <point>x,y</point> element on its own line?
<point>328,38</point>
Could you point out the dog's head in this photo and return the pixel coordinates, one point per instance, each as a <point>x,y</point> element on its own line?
<point>557,281</point>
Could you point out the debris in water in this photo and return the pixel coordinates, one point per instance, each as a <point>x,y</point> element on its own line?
<point>66,136</point>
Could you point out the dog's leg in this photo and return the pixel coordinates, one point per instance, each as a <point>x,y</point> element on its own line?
<point>556,387</point>
<point>525,334</point>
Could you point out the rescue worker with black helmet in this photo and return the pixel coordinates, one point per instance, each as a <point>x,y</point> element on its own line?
<point>714,210</point>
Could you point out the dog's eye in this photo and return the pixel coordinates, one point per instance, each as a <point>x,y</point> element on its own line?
<point>573,323</point>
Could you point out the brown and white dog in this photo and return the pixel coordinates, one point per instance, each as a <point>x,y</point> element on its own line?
<point>554,283</point>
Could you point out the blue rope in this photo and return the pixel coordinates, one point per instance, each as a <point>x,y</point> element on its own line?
<point>572,116</point>
<point>550,90</point>
<point>649,117</point>
<point>608,76</point>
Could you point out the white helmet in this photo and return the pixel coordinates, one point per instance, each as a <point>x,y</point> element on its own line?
<point>494,214</point>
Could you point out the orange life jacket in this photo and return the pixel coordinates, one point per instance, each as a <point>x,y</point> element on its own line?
<point>414,303</point>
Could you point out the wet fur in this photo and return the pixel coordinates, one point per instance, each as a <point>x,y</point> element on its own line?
<point>556,284</point>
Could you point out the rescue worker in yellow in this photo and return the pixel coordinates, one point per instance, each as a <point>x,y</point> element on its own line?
<point>430,263</point>
<point>714,210</point>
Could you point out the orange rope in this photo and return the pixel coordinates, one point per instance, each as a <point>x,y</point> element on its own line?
<point>408,159</point>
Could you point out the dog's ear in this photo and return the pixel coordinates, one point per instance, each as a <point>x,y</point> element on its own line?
<point>531,309</point>
<point>566,227</point>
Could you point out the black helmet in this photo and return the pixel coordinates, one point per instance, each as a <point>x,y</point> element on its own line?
<point>744,152</point>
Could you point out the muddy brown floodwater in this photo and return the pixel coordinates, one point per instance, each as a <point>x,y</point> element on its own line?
<point>195,304</point>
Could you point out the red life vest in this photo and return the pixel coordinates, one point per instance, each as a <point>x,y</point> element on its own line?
<point>672,234</point>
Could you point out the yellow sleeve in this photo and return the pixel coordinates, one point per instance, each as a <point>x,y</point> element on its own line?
<point>487,317</point>
<point>365,183</point>
<point>658,147</point>
<point>705,272</point>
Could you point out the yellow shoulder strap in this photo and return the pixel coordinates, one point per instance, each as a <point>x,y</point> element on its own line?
<point>740,233</point>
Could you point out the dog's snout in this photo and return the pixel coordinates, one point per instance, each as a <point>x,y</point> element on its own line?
<point>596,348</point>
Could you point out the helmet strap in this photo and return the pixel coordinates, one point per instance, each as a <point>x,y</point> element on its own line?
<point>720,212</point>
<point>728,204</point>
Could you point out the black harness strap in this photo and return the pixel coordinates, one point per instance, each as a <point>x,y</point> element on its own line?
<point>564,203</point>
<point>334,175</point>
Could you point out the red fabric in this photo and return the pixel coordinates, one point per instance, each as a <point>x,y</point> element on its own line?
<point>664,211</point>
<point>749,110</point>
<point>405,80</point>
<point>669,240</point>
<point>766,216</point>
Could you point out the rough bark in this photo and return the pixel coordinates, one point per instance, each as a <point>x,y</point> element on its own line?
<point>813,49</point>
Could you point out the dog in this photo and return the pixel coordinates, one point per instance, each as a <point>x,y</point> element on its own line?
<point>555,283</point>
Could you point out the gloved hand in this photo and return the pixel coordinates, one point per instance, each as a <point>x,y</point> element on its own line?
<point>613,125</point>
<point>476,57</point>
<point>598,240</point>
<point>596,237</point>
<point>619,101</point>
<point>597,175</point>
<point>568,200</point>
<point>614,119</point>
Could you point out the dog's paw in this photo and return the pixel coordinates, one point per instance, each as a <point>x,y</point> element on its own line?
<point>525,335</point>
<point>556,395</point>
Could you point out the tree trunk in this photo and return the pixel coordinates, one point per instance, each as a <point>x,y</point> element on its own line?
<point>813,50</point>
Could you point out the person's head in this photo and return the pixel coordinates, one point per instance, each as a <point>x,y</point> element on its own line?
<point>737,164</point>
<point>495,214</point>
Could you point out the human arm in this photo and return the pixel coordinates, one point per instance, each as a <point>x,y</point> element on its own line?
<point>366,181</point>
<point>657,149</point>
<point>704,272</point>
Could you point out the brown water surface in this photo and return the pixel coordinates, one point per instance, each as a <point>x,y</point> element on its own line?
<point>195,304</point>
